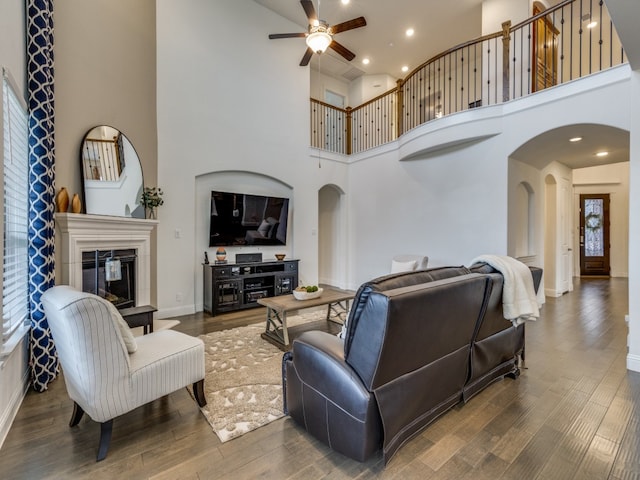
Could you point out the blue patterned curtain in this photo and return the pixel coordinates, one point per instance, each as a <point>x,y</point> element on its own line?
<point>43,358</point>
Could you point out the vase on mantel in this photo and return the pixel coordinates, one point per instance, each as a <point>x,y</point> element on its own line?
<point>62,200</point>
<point>76,203</point>
<point>151,213</point>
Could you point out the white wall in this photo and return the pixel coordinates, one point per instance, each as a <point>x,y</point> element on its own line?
<point>633,357</point>
<point>494,12</point>
<point>367,87</point>
<point>450,207</point>
<point>614,180</point>
<point>14,372</point>
<point>452,204</point>
<point>216,114</point>
<point>321,83</point>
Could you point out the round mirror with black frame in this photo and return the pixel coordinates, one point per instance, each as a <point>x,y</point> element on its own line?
<point>111,174</point>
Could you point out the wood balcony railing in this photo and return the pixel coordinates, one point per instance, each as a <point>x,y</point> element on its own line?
<point>554,46</point>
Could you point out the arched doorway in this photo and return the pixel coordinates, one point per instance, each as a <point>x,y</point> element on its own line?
<point>332,240</point>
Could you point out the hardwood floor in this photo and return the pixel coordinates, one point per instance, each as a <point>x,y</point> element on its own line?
<point>574,413</point>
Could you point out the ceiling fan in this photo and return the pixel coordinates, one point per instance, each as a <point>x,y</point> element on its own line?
<point>320,34</point>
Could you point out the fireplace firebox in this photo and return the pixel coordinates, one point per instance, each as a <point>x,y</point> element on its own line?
<point>97,278</point>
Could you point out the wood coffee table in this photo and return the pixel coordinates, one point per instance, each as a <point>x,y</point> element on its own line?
<point>337,303</point>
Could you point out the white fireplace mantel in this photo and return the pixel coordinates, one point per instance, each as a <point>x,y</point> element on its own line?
<point>81,233</point>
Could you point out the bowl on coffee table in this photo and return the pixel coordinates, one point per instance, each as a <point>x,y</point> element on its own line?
<point>304,295</point>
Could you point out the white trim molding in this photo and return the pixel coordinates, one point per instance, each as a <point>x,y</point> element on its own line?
<point>633,362</point>
<point>81,233</point>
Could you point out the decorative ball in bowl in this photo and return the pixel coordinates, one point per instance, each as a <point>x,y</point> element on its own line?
<point>280,256</point>
<point>307,293</point>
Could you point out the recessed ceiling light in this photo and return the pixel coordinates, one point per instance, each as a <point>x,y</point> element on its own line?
<point>591,24</point>
<point>575,139</point>
<point>366,61</point>
<point>345,2</point>
<point>410,32</point>
<point>405,68</point>
<point>602,154</point>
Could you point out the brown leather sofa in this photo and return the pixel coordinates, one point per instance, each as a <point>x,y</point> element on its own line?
<point>416,344</point>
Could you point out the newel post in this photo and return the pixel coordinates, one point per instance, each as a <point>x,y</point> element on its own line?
<point>349,130</point>
<point>399,106</point>
<point>506,39</point>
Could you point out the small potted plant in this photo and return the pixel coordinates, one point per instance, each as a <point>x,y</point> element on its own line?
<point>151,198</point>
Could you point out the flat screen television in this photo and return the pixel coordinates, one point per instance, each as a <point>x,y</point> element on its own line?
<point>244,219</point>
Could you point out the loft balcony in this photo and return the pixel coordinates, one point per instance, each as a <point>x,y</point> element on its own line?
<point>572,40</point>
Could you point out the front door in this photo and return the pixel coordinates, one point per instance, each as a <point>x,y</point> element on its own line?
<point>594,234</point>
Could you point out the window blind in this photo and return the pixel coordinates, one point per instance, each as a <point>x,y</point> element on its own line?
<point>15,288</point>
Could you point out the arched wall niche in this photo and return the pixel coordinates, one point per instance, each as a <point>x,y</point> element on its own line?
<point>525,228</point>
<point>239,181</point>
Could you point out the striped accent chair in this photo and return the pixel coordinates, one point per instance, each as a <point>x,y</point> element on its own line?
<point>103,379</point>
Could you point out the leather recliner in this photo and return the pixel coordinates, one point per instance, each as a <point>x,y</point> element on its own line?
<point>408,356</point>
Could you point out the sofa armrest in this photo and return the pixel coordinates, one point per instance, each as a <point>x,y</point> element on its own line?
<point>318,360</point>
<point>325,396</point>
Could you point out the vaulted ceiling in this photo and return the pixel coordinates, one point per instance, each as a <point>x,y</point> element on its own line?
<point>438,26</point>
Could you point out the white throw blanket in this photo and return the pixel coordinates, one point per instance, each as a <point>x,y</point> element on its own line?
<point>519,299</point>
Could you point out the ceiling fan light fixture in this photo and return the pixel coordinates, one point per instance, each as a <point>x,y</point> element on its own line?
<point>319,38</point>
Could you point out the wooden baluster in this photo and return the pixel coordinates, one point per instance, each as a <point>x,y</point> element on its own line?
<point>506,39</point>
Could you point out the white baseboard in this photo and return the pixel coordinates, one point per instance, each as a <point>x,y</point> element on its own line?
<point>175,311</point>
<point>6,420</point>
<point>633,363</point>
<point>548,292</point>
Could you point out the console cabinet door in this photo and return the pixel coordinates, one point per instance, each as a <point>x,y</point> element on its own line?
<point>285,284</point>
<point>227,295</point>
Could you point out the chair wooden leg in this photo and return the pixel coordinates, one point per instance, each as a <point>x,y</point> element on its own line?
<point>76,415</point>
<point>198,392</point>
<point>105,438</point>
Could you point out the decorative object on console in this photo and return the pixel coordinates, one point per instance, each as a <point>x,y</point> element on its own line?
<point>221,255</point>
<point>206,258</point>
<point>151,199</point>
<point>76,204</point>
<point>62,200</point>
<point>280,256</point>
<point>248,257</point>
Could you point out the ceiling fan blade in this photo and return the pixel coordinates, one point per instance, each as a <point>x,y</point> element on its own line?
<point>306,57</point>
<point>273,36</point>
<point>348,54</point>
<point>349,25</point>
<point>309,9</point>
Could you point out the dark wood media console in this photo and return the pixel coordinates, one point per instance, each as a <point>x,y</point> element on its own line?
<point>235,286</point>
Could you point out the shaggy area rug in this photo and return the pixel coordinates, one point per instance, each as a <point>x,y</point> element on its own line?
<point>243,379</point>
